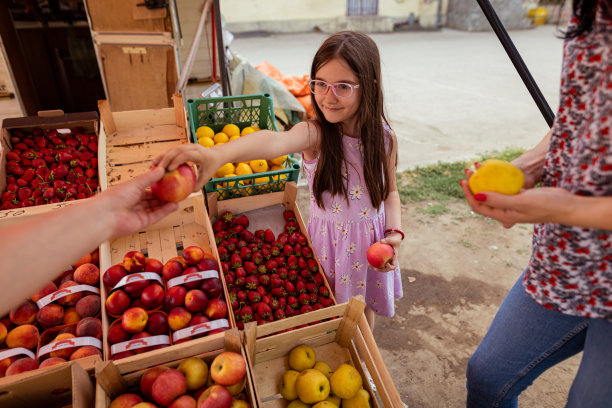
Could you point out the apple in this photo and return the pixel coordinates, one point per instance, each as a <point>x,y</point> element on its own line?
<point>175,185</point>
<point>168,386</point>
<point>148,378</point>
<point>175,297</point>
<point>126,401</point>
<point>185,401</point>
<point>216,309</point>
<point>379,254</point>
<point>228,368</point>
<point>215,396</point>
<point>116,334</point>
<point>195,371</point>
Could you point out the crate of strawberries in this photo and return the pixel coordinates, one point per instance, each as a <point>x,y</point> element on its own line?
<point>47,161</point>
<point>268,263</point>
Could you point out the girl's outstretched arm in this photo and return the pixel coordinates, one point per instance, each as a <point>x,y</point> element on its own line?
<point>263,144</point>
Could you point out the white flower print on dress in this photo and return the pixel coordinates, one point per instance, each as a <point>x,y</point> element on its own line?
<point>373,302</point>
<point>335,242</point>
<point>323,254</point>
<point>339,226</point>
<point>332,274</point>
<point>345,231</point>
<point>357,266</point>
<point>336,262</point>
<point>351,248</point>
<point>365,212</point>
<point>346,173</point>
<point>361,285</point>
<point>346,279</point>
<point>337,208</point>
<point>360,145</point>
<point>371,229</point>
<point>356,193</point>
<point>323,230</point>
<point>379,284</point>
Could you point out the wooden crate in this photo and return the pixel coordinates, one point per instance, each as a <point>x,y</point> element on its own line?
<point>45,120</point>
<point>262,210</point>
<point>187,226</point>
<point>115,378</point>
<point>130,140</point>
<point>346,338</point>
<point>126,16</point>
<point>66,385</point>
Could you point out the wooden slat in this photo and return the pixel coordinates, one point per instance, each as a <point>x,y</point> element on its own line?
<point>118,15</point>
<point>179,110</point>
<point>168,244</point>
<point>245,204</point>
<point>106,117</point>
<point>119,174</point>
<point>349,322</point>
<point>131,119</point>
<point>154,245</point>
<point>321,314</point>
<point>138,153</point>
<point>109,378</point>
<point>147,133</point>
<point>118,248</point>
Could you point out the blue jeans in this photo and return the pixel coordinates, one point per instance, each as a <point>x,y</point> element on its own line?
<point>524,340</point>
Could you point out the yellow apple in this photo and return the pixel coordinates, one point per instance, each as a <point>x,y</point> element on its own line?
<point>346,381</point>
<point>312,386</point>
<point>325,404</point>
<point>334,399</point>
<point>324,368</point>
<point>236,403</point>
<point>298,404</point>
<point>286,386</point>
<point>236,388</point>
<point>195,371</point>
<point>302,357</point>
<point>360,400</point>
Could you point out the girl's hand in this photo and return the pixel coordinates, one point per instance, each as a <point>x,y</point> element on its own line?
<point>394,239</point>
<point>205,158</point>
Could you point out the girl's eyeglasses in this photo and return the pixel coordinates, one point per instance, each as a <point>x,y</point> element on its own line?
<point>340,89</point>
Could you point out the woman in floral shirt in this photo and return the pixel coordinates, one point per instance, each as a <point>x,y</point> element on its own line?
<point>562,304</point>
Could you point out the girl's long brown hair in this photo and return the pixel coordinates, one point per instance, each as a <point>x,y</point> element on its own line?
<point>361,54</point>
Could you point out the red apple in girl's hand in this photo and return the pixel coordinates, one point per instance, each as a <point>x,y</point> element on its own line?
<point>175,185</point>
<point>379,254</point>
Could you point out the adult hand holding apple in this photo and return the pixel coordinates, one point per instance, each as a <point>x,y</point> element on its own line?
<point>175,185</point>
<point>207,160</point>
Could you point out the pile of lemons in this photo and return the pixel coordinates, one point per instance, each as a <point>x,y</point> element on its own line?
<point>208,138</point>
<point>312,383</point>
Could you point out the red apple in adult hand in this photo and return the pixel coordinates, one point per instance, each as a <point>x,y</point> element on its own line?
<point>379,254</point>
<point>215,396</point>
<point>175,185</point>
<point>228,368</point>
<point>168,386</point>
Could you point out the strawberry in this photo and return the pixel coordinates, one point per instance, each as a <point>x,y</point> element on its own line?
<point>312,287</point>
<point>292,301</point>
<point>302,263</point>
<point>24,194</point>
<point>230,280</point>
<point>91,173</point>
<point>21,146</point>
<point>313,298</point>
<point>245,253</point>
<point>289,215</point>
<point>292,275</point>
<point>291,227</point>
<point>293,239</point>
<point>282,302</point>
<point>317,278</point>
<point>264,279</point>
<point>246,314</point>
<point>240,272</point>
<point>49,193</point>
<point>223,254</point>
<point>243,221</point>
<point>292,262</point>
<point>317,306</point>
<point>258,319</point>
<point>272,266</point>
<point>290,288</point>
<point>80,196</point>
<point>282,272</point>
<point>304,298</point>
<point>305,274</point>
<point>247,236</point>
<point>290,311</point>
<point>275,280</point>
<point>262,268</point>
<point>63,157</point>
<point>306,309</point>
<point>239,281</point>
<point>12,156</point>
<point>241,243</point>
<point>250,267</point>
<point>36,193</point>
<point>37,163</point>
<point>228,218</point>
<point>312,265</point>
<point>231,246</point>
<point>297,249</point>
<point>275,251</point>
<point>241,296</point>
<point>279,314</point>
<point>8,196</point>
<point>21,183</point>
<point>260,234</point>
<point>266,299</point>
<point>280,260</point>
<point>300,286</point>
<point>327,302</point>
<point>11,166</point>
<point>12,187</point>
<point>268,236</point>
<point>279,292</point>
<point>93,147</point>
<point>264,310</point>
<point>235,230</point>
<point>257,258</point>
<point>252,282</point>
<point>301,239</point>
<point>86,156</point>
<point>253,296</point>
<point>307,252</point>
<point>288,250</point>
<point>235,261</point>
<point>323,291</point>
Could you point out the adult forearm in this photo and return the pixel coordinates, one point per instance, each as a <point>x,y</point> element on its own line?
<point>263,144</point>
<point>532,161</point>
<point>587,212</point>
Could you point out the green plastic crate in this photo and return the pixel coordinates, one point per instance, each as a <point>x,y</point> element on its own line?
<point>242,111</point>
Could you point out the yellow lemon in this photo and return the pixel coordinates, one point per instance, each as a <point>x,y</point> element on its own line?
<point>286,386</point>
<point>224,185</point>
<point>276,167</point>
<point>279,160</point>
<point>227,168</point>
<point>345,381</point>
<point>312,386</point>
<point>302,357</point>
<point>221,138</point>
<point>259,166</point>
<point>243,169</point>
<point>247,130</point>
<point>204,131</point>
<point>231,130</point>
<point>360,400</point>
<point>206,141</point>
<point>233,138</point>
<point>256,128</point>
<point>324,368</point>
<point>498,176</point>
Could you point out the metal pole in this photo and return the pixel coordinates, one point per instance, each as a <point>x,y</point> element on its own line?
<point>517,61</point>
<point>225,84</point>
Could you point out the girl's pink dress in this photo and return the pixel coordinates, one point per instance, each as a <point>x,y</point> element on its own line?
<point>342,232</point>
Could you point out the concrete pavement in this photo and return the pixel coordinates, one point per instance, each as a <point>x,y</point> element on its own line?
<point>449,94</point>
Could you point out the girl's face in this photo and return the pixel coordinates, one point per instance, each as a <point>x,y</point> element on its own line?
<point>337,109</point>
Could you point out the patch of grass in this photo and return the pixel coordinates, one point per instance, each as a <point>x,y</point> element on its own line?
<point>439,183</point>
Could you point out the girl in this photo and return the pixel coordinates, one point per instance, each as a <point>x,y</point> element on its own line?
<point>350,158</point>
<point>562,303</point>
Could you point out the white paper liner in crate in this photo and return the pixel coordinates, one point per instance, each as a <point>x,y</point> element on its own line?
<point>135,344</point>
<point>63,292</point>
<point>68,343</point>
<point>137,277</point>
<point>15,352</point>
<point>199,329</point>
<point>192,277</point>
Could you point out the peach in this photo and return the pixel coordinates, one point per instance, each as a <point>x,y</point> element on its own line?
<point>88,306</point>
<point>193,255</point>
<point>175,296</point>
<point>216,309</point>
<point>153,265</point>
<point>83,260</point>
<point>117,302</point>
<point>145,405</point>
<point>68,329</point>
<point>137,303</point>
<point>213,288</point>
<point>134,320</point>
<point>185,401</point>
<point>4,364</point>
<point>195,301</point>
<point>89,327</point>
<point>25,313</point>
<point>180,260</point>
<point>228,368</point>
<point>191,284</point>
<point>148,378</point>
<point>21,366</point>
<point>71,299</point>
<point>178,318</point>
<point>208,264</point>
<point>51,362</point>
<point>175,185</point>
<point>3,332</point>
<point>134,261</point>
<point>126,401</point>
<point>113,275</point>
<point>51,315</point>
<point>70,316</point>
<point>152,296</point>
<point>87,274</point>
<point>116,334</point>
<point>215,396</point>
<point>121,355</point>
<point>66,276</point>
<point>157,324</point>
<point>47,290</point>
<point>168,386</point>
<point>199,319</point>
<point>23,336</point>
<point>65,352</point>
<point>134,289</point>
<point>379,254</point>
<point>7,323</point>
<point>85,351</point>
<point>172,269</point>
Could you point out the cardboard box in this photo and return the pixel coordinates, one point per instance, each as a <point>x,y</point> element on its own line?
<point>66,385</point>
<point>46,120</point>
<point>187,226</point>
<point>116,378</point>
<point>344,337</point>
<point>130,140</point>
